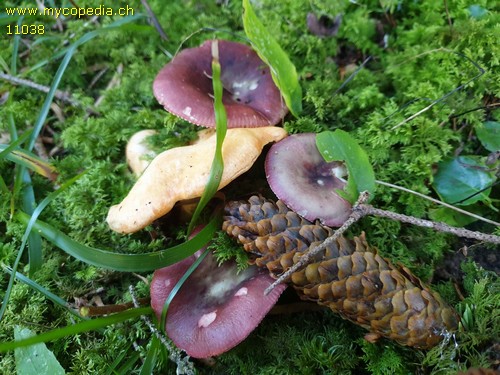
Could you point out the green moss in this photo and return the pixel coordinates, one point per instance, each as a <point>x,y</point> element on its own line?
<point>225,248</point>
<point>424,60</point>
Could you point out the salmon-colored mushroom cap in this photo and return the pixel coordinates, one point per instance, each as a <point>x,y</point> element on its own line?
<point>216,308</point>
<point>251,99</point>
<point>182,173</point>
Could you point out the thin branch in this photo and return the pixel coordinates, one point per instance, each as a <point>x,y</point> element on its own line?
<point>360,210</point>
<point>184,366</point>
<point>64,96</point>
<point>437,226</point>
<point>438,202</point>
<point>108,309</point>
<point>307,257</point>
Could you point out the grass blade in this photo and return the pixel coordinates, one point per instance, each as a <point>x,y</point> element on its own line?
<point>26,238</point>
<point>179,286</point>
<point>150,361</point>
<point>85,326</point>
<point>221,129</point>
<point>48,294</point>
<point>28,160</point>
<point>124,262</point>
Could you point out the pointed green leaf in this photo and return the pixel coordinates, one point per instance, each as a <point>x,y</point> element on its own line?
<point>340,146</point>
<point>489,135</point>
<point>282,69</point>
<point>463,180</point>
<point>35,359</point>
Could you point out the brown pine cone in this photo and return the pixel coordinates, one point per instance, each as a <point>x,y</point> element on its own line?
<point>349,276</point>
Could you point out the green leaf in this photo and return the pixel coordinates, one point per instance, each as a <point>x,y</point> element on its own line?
<point>282,69</point>
<point>220,133</point>
<point>450,217</point>
<point>340,146</point>
<point>74,329</point>
<point>463,180</point>
<point>119,261</point>
<point>489,135</point>
<point>35,359</point>
<point>477,11</point>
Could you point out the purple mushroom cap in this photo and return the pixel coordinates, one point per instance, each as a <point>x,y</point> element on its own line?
<point>216,308</point>
<point>305,182</point>
<point>251,99</point>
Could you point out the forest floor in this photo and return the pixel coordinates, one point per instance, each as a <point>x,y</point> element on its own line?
<point>415,83</point>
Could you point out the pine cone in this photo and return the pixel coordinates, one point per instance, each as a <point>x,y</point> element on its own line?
<point>349,276</point>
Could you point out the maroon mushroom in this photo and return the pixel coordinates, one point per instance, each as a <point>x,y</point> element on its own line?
<point>251,99</point>
<point>216,308</point>
<point>305,182</point>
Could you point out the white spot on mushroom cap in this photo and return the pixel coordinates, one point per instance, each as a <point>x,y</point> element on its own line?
<point>207,319</point>
<point>247,85</point>
<point>242,292</point>
<point>187,111</point>
<point>227,282</point>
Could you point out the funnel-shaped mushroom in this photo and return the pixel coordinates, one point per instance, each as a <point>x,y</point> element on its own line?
<point>305,182</point>
<point>251,99</point>
<point>182,173</point>
<point>216,308</point>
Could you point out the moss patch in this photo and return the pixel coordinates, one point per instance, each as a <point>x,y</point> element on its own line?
<point>419,52</point>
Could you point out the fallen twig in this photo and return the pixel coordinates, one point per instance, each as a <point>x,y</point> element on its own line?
<point>64,96</point>
<point>438,202</point>
<point>184,366</point>
<point>360,210</point>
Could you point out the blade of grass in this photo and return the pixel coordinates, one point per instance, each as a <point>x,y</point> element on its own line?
<point>15,48</point>
<point>7,149</point>
<point>48,294</point>
<point>29,225</point>
<point>126,367</point>
<point>42,116</point>
<point>3,186</point>
<point>221,128</point>
<point>124,262</point>
<point>85,326</point>
<point>112,367</point>
<point>150,361</point>
<point>28,160</point>
<point>177,287</point>
<point>121,23</point>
